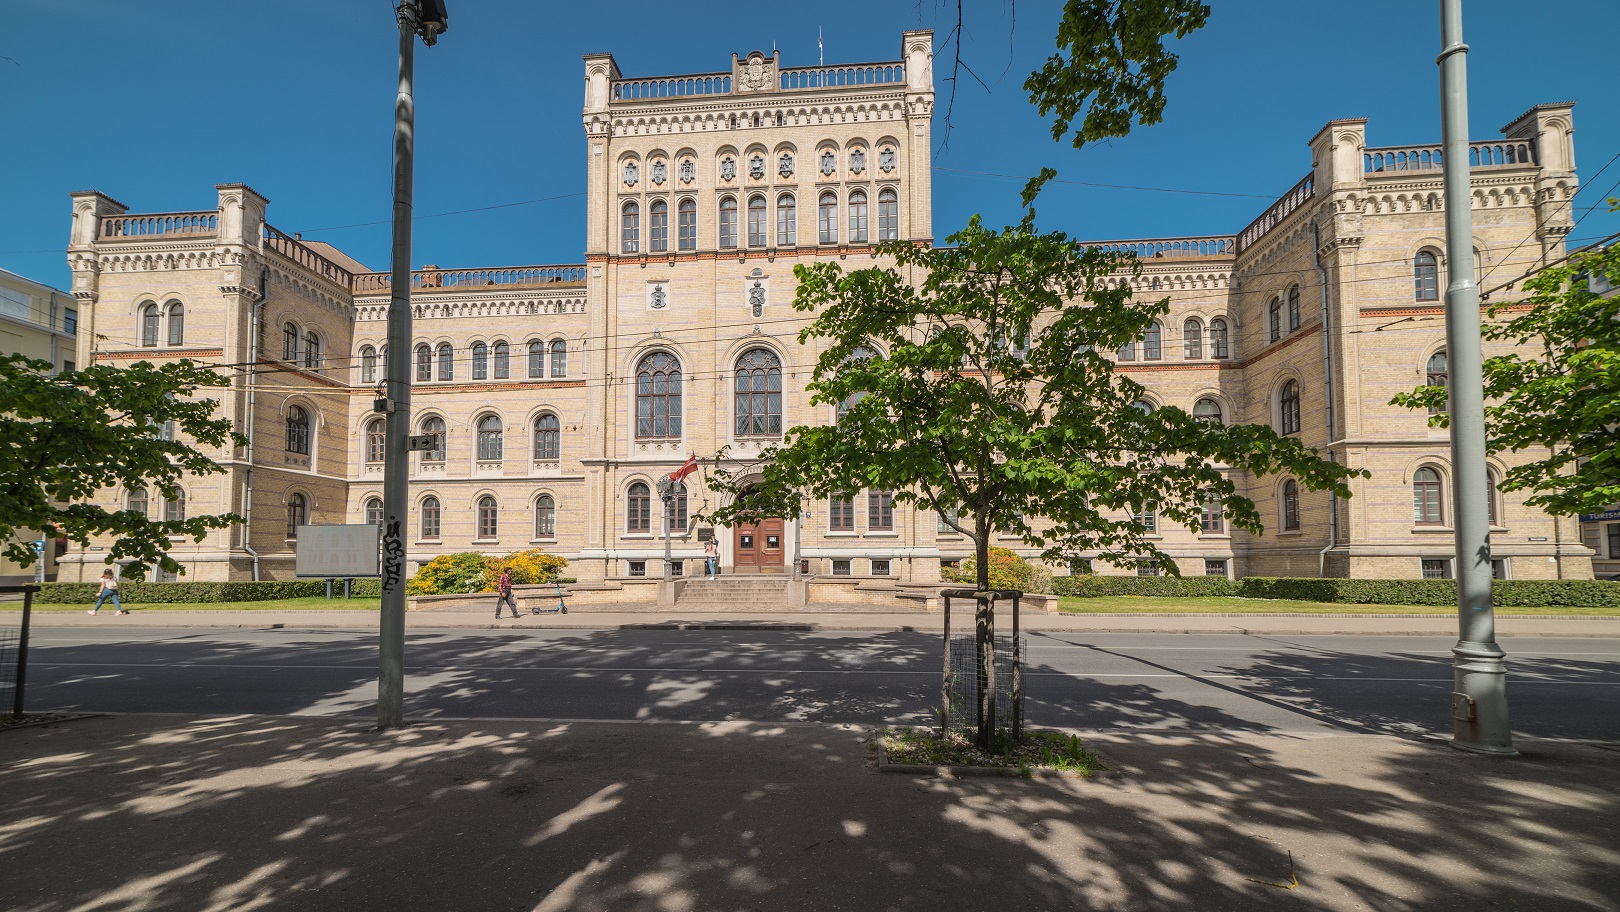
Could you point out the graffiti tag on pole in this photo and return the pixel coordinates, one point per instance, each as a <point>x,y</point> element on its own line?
<point>393,554</point>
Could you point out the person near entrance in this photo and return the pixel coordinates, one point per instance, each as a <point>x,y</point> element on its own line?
<point>711,556</point>
<point>503,587</point>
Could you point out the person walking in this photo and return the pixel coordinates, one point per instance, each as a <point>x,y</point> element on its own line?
<point>109,590</point>
<point>711,556</point>
<point>503,586</point>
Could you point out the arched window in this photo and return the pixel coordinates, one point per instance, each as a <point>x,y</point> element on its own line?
<point>1293,307</point>
<point>374,511</point>
<point>177,323</point>
<point>434,427</point>
<point>756,222</point>
<point>480,361</point>
<point>289,341</point>
<point>861,353</point>
<point>857,216</point>
<point>827,218</point>
<point>1212,520</point>
<point>368,364</point>
<point>547,437</point>
<point>1492,497</point>
<point>787,220</point>
<point>503,361</point>
<point>297,514</point>
<point>149,326</point>
<point>1127,352</point>
<point>1427,507</point>
<point>1426,276</point>
<point>1288,407</point>
<point>1153,342</point>
<point>447,361</point>
<point>135,501</point>
<point>1218,347</point>
<point>1290,506</point>
<point>688,224</point>
<point>1207,410</point>
<point>537,359</point>
<point>728,222</point>
<point>1437,376</point>
<point>376,440</point>
<point>678,522</point>
<point>491,439</point>
<point>430,518</point>
<point>297,431</point>
<point>658,227</point>
<point>658,396</point>
<point>888,215</point>
<point>545,517</point>
<point>559,358</point>
<point>1192,333</point>
<point>630,228</point>
<point>312,350</point>
<point>638,509</point>
<point>1143,406</point>
<point>488,519</point>
<point>1274,316</point>
<point>424,363</point>
<point>759,393</point>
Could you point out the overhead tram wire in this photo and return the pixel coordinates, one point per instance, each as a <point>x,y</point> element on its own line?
<point>1570,203</point>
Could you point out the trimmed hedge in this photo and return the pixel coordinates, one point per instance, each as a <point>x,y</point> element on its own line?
<point>181,592</point>
<point>1506,593</point>
<point>1092,586</point>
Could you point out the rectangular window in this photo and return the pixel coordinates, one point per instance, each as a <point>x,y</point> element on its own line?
<point>953,515</point>
<point>1436,569</point>
<point>70,321</point>
<point>1147,568</point>
<point>638,568</point>
<point>880,568</point>
<point>68,365</point>
<point>840,514</point>
<point>1499,568</point>
<point>1213,521</point>
<point>1614,541</point>
<point>677,568</point>
<point>1079,566</point>
<point>1215,568</point>
<point>879,511</point>
<point>840,568</point>
<point>1149,518</point>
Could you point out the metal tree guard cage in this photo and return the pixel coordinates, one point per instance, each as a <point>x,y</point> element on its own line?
<point>969,688</point>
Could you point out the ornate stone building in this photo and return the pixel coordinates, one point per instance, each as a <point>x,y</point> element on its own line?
<point>561,394</point>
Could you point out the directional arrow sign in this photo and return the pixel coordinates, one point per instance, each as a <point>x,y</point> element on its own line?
<point>421,443</point>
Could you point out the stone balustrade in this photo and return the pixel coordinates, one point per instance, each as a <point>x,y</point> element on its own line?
<point>1486,154</point>
<point>1297,196</point>
<point>292,249</point>
<point>853,74</point>
<point>160,224</point>
<point>671,86</point>
<point>1223,246</point>
<point>469,279</point>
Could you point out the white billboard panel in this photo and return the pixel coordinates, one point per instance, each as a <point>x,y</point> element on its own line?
<point>338,552</point>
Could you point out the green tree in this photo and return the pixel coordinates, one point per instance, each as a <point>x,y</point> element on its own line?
<point>971,380</point>
<point>64,439</point>
<point>1558,388</point>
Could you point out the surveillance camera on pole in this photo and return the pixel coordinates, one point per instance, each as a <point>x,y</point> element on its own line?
<point>428,19</point>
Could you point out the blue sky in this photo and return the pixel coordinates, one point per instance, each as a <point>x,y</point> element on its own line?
<point>155,101</point>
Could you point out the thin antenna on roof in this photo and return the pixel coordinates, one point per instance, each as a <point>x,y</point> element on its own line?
<point>821,52</point>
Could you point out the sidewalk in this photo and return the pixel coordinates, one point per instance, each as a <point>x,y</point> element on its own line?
<point>1277,625</point>
<point>277,813</point>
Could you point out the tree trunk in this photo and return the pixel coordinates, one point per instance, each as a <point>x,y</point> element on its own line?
<point>984,646</point>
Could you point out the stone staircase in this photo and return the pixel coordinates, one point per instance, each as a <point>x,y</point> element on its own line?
<point>742,592</point>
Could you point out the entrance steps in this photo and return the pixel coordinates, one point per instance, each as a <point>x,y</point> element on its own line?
<point>735,592</point>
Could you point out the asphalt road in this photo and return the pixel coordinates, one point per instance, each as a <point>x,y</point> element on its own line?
<point>1393,684</point>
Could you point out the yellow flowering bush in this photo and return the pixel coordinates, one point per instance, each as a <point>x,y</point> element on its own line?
<point>470,571</point>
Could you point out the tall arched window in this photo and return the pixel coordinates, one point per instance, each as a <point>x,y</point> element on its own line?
<point>1274,317</point>
<point>312,350</point>
<point>424,363</point>
<point>1293,307</point>
<point>434,427</point>
<point>861,353</point>
<point>787,220</point>
<point>759,393</point>
<point>630,228</point>
<point>368,364</point>
<point>376,440</point>
<point>177,323</point>
<point>488,519</point>
<point>1436,375</point>
<point>1212,520</point>
<point>289,340</point>
<point>1192,333</point>
<point>537,359</point>
<point>658,396</point>
<point>1290,506</point>
<point>545,517</point>
<point>1426,276</point>
<point>559,358</point>
<point>1492,497</point>
<point>503,361</point>
<point>447,361</point>
<point>430,518</point>
<point>827,218</point>
<point>638,509</point>
<point>297,514</point>
<point>1153,342</point>
<point>491,439</point>
<point>658,227</point>
<point>547,437</point>
<point>757,236</point>
<point>150,323</point>
<point>1218,346</point>
<point>728,222</point>
<point>1207,410</point>
<point>687,211</point>
<point>135,501</point>
<point>888,215</point>
<point>374,511</point>
<point>1427,507</point>
<point>1288,407</point>
<point>857,216</point>
<point>297,431</point>
<point>480,361</point>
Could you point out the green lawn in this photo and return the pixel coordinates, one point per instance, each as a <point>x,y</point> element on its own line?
<point>316,603</point>
<point>1136,604</point>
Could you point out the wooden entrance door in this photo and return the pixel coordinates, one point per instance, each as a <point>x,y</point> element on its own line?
<point>758,547</point>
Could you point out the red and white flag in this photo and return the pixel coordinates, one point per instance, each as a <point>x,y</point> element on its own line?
<point>687,468</point>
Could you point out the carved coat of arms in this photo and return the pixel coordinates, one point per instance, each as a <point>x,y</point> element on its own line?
<point>753,75</point>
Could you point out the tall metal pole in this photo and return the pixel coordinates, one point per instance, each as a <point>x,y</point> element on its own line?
<point>396,503</point>
<point>669,517</point>
<point>1479,699</point>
